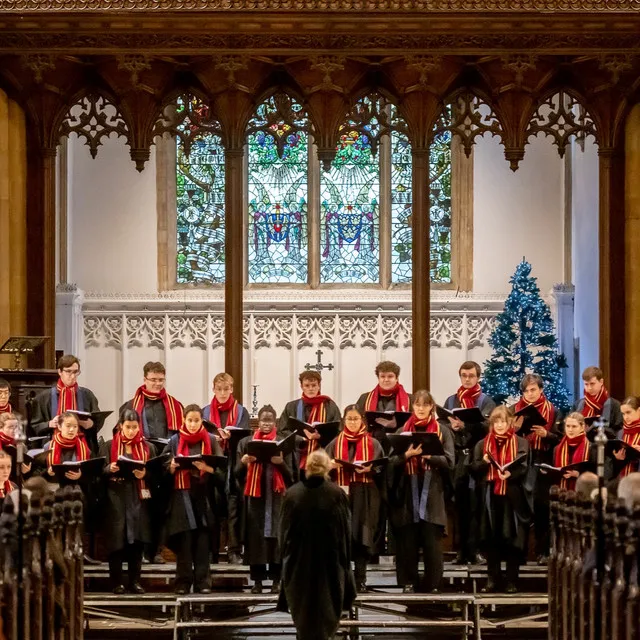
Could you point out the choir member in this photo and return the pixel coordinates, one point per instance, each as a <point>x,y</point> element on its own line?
<point>192,509</point>
<point>315,539</point>
<point>5,396</point>
<point>465,438</point>
<point>225,411</point>
<point>574,447</point>
<point>8,428</point>
<point>630,434</point>
<point>389,394</point>
<point>67,445</point>
<point>542,439</point>
<point>355,444</point>
<point>264,485</point>
<point>66,395</point>
<point>597,402</point>
<point>505,511</point>
<point>161,415</point>
<point>126,509</point>
<point>6,486</point>
<point>416,499</point>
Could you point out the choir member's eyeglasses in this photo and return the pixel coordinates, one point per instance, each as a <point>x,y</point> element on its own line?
<point>156,380</point>
<point>71,372</point>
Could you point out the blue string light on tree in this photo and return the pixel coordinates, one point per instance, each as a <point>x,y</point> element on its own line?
<point>524,341</point>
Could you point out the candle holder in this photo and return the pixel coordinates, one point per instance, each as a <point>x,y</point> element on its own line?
<point>254,401</point>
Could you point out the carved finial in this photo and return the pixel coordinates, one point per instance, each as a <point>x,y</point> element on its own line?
<point>518,64</point>
<point>616,64</point>
<point>231,64</point>
<point>423,65</point>
<point>134,64</point>
<point>327,65</point>
<point>38,63</point>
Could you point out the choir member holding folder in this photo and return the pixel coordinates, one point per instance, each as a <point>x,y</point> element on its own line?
<point>264,470</point>
<point>536,420</point>
<point>67,450</point>
<point>8,427</point>
<point>500,465</point>
<point>627,457</point>
<point>194,466</point>
<point>416,495</point>
<point>356,456</point>
<point>127,525</point>
<point>597,403</point>
<point>469,408</point>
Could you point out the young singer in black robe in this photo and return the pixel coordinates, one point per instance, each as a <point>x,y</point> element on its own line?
<point>264,485</point>
<point>191,519</point>
<point>127,526</point>
<point>6,486</point>
<point>505,511</point>
<point>315,540</point>
<point>355,444</point>
<point>416,499</point>
<point>8,427</point>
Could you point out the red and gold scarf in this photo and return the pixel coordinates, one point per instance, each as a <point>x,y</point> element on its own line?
<point>67,397</point>
<point>6,408</point>
<point>503,449</point>
<point>593,405</point>
<point>5,440</point>
<point>364,453</point>
<point>416,464</point>
<point>139,451</point>
<point>318,413</point>
<point>230,405</point>
<point>468,397</point>
<point>6,488</point>
<point>570,451</point>
<point>172,407</point>
<point>631,436</point>
<point>183,478</point>
<point>401,396</point>
<point>253,486</point>
<point>59,444</point>
<point>546,410</point>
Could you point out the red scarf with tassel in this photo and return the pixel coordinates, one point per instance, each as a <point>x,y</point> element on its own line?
<point>230,405</point>
<point>417,464</point>
<point>253,485</point>
<point>631,436</point>
<point>318,413</point>
<point>139,451</point>
<point>546,410</point>
<point>569,451</point>
<point>67,397</point>
<point>503,449</point>
<point>364,453</point>
<point>172,407</point>
<point>593,405</point>
<point>59,444</point>
<point>183,478</point>
<point>401,396</point>
<point>468,397</point>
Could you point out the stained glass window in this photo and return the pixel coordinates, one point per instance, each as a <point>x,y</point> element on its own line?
<point>440,207</point>
<point>277,193</point>
<point>349,210</point>
<point>200,200</point>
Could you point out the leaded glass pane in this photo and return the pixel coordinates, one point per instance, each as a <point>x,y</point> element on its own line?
<point>277,199</point>
<point>349,214</point>
<point>440,207</point>
<point>200,208</point>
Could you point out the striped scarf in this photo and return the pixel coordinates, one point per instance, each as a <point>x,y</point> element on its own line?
<point>593,405</point>
<point>139,451</point>
<point>364,453</point>
<point>6,488</point>
<point>546,410</point>
<point>67,397</point>
<point>318,413</point>
<point>216,408</point>
<point>172,407</point>
<point>182,478</point>
<point>503,449</point>
<point>6,440</point>
<point>401,396</point>
<point>60,444</point>
<point>253,486</point>
<point>468,397</point>
<point>417,465</point>
<point>570,451</point>
<point>631,436</point>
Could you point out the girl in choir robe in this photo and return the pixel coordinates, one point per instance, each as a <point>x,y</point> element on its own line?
<point>67,445</point>
<point>263,486</point>
<point>6,486</point>
<point>126,508</point>
<point>416,499</point>
<point>573,448</point>
<point>192,514</point>
<point>505,511</point>
<point>630,434</point>
<point>355,444</point>
<point>8,427</point>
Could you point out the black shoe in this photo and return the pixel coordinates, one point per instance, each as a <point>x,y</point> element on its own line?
<point>181,590</point>
<point>257,587</point>
<point>204,590</point>
<point>158,559</point>
<point>137,588</point>
<point>234,558</point>
<point>490,587</point>
<point>275,587</point>
<point>362,587</point>
<point>460,559</point>
<point>408,588</point>
<point>119,590</point>
<point>511,588</point>
<point>479,559</point>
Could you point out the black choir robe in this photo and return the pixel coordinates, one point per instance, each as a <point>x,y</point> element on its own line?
<point>515,509</point>
<point>126,514</point>
<point>365,499</point>
<point>611,413</point>
<point>196,507</point>
<point>259,522</point>
<point>315,542</point>
<point>297,409</point>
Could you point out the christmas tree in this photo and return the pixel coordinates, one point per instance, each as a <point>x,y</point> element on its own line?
<point>524,341</point>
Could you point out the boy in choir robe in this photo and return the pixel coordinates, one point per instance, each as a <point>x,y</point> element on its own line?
<point>64,396</point>
<point>542,440</point>
<point>416,499</point>
<point>225,411</point>
<point>630,434</point>
<point>573,448</point>
<point>597,401</point>
<point>161,415</point>
<point>465,438</point>
<point>127,525</point>
<point>315,540</point>
<point>192,509</point>
<point>311,407</point>
<point>355,444</point>
<point>6,486</point>
<point>8,428</point>
<point>505,510</point>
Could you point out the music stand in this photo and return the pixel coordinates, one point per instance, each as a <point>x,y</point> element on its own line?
<point>17,345</point>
